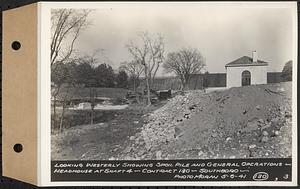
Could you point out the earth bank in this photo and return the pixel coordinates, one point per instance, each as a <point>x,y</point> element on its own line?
<point>242,122</point>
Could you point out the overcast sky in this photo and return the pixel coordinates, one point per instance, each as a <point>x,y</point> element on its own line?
<point>222,33</point>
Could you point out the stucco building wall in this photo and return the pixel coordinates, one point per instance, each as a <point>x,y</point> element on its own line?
<point>234,75</point>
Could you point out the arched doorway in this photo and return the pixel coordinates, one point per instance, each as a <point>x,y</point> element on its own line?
<point>246,78</point>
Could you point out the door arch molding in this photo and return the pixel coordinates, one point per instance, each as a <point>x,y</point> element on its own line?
<point>246,78</point>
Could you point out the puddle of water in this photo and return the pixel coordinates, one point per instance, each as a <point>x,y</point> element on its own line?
<point>110,107</point>
<point>104,106</point>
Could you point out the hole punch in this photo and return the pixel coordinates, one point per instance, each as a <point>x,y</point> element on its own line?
<point>16,45</point>
<point>18,148</point>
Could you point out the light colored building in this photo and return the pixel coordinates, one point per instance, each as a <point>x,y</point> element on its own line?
<point>246,71</point>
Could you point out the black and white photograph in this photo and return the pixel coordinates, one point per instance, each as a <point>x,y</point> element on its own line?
<point>171,81</point>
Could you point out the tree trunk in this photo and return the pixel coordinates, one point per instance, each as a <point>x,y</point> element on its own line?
<point>134,90</point>
<point>148,92</point>
<point>54,114</point>
<point>92,101</point>
<point>148,86</point>
<point>62,118</point>
<point>55,94</point>
<point>186,82</point>
<point>92,117</point>
<point>63,111</point>
<point>154,74</point>
<point>185,85</point>
<point>195,87</point>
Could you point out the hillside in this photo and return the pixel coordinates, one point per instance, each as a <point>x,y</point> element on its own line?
<point>242,122</point>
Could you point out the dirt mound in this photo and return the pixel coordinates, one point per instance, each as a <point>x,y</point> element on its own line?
<point>242,122</point>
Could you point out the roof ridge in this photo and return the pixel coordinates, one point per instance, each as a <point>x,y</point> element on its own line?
<point>245,60</point>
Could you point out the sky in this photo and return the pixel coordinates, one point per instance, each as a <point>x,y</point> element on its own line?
<point>222,32</point>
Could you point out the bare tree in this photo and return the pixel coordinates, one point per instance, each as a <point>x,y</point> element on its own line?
<point>148,51</point>
<point>184,63</point>
<point>58,78</point>
<point>65,98</point>
<point>65,29</point>
<point>134,70</point>
<point>63,79</point>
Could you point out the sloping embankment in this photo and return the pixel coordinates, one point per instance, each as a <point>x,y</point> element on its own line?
<point>243,122</point>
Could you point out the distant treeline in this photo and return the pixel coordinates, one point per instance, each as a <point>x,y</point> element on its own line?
<point>199,81</point>
<point>85,74</point>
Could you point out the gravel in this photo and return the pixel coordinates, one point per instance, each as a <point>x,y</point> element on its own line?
<point>252,121</point>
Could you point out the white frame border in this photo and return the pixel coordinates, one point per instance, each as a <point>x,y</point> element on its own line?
<point>44,96</point>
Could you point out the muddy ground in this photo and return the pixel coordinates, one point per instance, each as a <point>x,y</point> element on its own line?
<point>242,122</point>
<point>102,140</point>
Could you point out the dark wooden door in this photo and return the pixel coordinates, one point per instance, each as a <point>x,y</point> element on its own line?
<point>246,78</point>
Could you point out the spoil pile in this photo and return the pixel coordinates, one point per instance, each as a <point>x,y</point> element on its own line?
<point>241,122</point>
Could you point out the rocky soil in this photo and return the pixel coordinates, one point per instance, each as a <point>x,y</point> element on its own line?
<point>100,141</point>
<point>242,122</point>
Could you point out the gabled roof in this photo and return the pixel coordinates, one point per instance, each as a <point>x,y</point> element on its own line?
<point>246,61</point>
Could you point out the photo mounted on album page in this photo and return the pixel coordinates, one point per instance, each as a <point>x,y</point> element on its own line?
<point>167,93</point>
